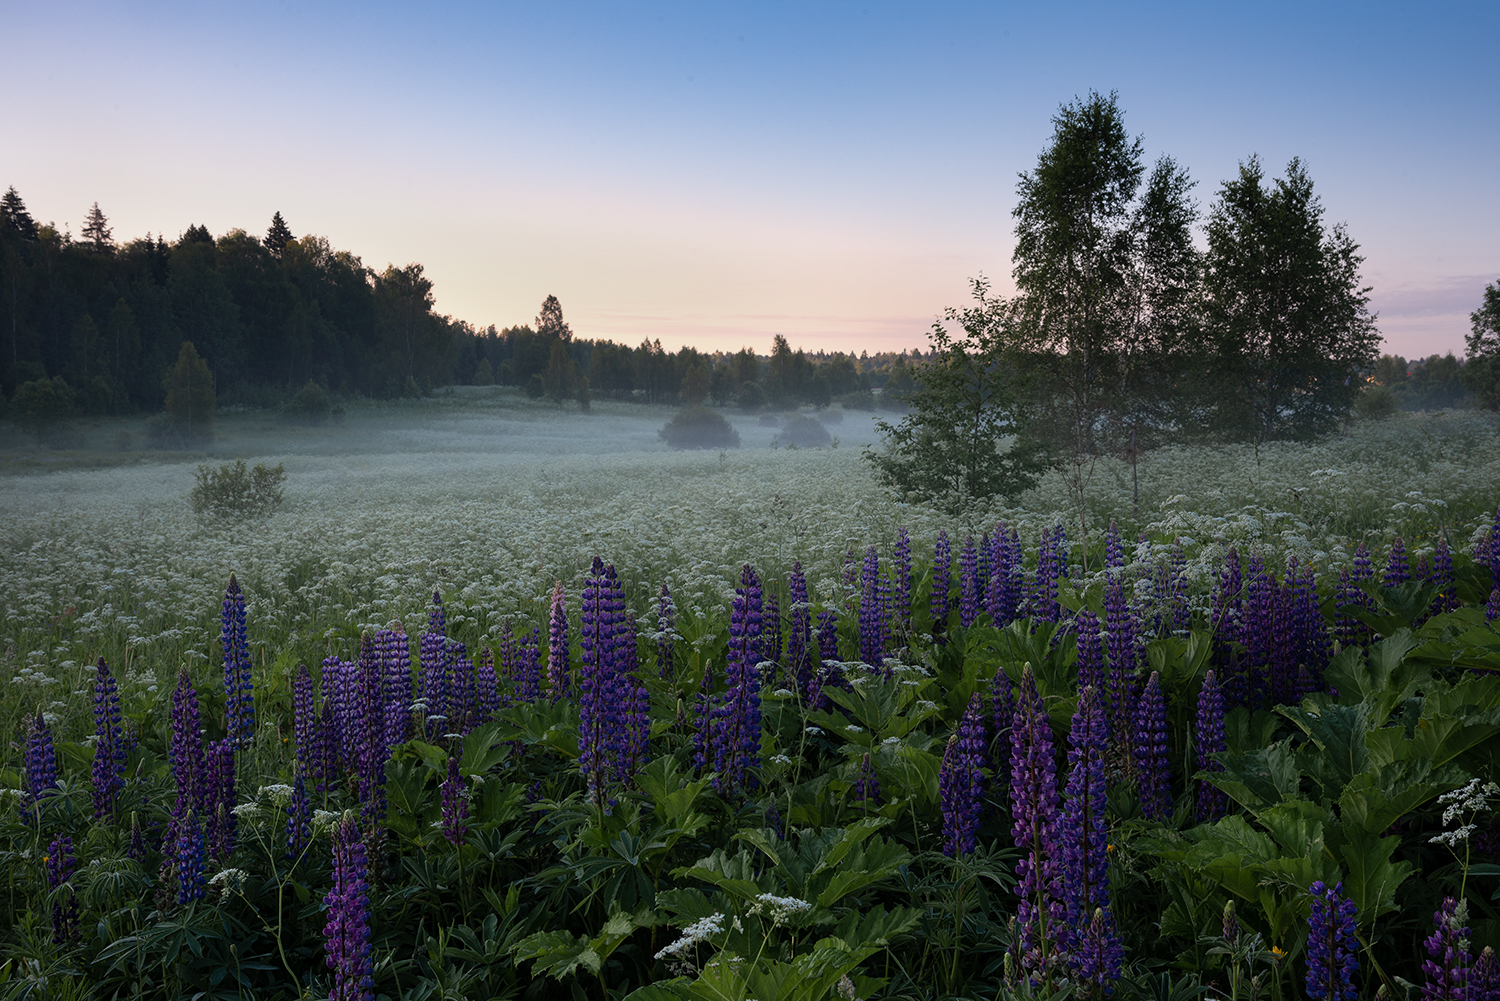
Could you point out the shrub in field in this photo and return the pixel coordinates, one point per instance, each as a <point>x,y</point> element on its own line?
<point>804,432</point>
<point>699,427</point>
<point>233,490</point>
<point>312,405</point>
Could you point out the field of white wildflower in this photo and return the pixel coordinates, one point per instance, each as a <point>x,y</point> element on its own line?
<point>491,498</point>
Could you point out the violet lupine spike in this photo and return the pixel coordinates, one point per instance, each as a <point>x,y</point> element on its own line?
<point>871,619</point>
<point>901,584</point>
<point>306,733</point>
<point>939,602</point>
<point>799,649</point>
<point>298,817</point>
<point>624,664</point>
<point>961,781</point>
<point>336,719</point>
<point>61,865</point>
<point>1228,621</point>
<point>736,721</point>
<point>1120,631</point>
<point>239,688</point>
<point>395,659</point>
<point>346,936</point>
<point>1153,774</point>
<point>982,583</point>
<point>109,743</point>
<point>1208,737</point>
<point>1051,566</point>
<point>1091,669</point>
<point>1396,569</point>
<point>41,767</point>
<point>666,631</point>
<point>558,683</point>
<point>828,636</point>
<point>1262,603</point>
<point>1484,977</point>
<point>432,660</point>
<point>1034,816</point>
<point>189,858</point>
<point>486,687</point>
<point>596,703</point>
<point>867,784</point>
<point>135,849</point>
<point>528,669</point>
<point>771,641</point>
<point>461,688</point>
<point>1177,593</point>
<point>969,594</point>
<point>1447,968</point>
<point>221,824</point>
<point>1446,599</point>
<point>1332,948</point>
<point>185,754</point>
<point>1002,718</point>
<point>455,806</point>
<point>1114,551</point>
<point>1084,846</point>
<point>370,749</point>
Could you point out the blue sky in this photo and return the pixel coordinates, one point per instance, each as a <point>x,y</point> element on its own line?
<point>714,174</point>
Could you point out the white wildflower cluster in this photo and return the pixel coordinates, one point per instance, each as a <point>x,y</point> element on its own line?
<point>324,819</point>
<point>279,795</point>
<point>228,881</point>
<point>32,676</point>
<point>1464,803</point>
<point>779,908</point>
<point>780,759</point>
<point>699,931</point>
<point>247,810</point>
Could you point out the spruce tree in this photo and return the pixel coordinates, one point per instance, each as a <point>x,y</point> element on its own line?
<point>97,232</point>
<point>278,236</point>
<point>13,215</point>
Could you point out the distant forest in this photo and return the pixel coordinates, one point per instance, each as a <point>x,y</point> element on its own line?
<point>270,313</point>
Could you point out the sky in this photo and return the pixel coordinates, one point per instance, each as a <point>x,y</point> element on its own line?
<point>714,174</point>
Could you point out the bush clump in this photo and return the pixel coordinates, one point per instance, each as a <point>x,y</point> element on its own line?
<point>699,427</point>
<point>312,405</point>
<point>803,432</point>
<point>234,490</point>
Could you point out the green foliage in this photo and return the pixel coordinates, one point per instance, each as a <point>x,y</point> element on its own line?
<point>699,427</point>
<point>962,442</point>
<point>42,406</point>
<point>803,432</point>
<point>1482,371</point>
<point>190,395</point>
<point>233,491</point>
<point>312,405</point>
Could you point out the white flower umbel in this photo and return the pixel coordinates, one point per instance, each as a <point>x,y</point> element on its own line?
<point>1463,804</point>
<point>228,880</point>
<point>779,908</point>
<point>279,795</point>
<point>699,931</point>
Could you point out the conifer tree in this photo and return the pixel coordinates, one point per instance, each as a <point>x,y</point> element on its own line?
<point>97,232</point>
<point>13,215</point>
<point>278,236</point>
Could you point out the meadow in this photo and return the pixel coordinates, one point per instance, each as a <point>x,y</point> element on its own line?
<point>714,797</point>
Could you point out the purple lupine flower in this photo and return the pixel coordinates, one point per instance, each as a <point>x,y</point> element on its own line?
<point>666,631</point>
<point>455,806</point>
<point>298,818</point>
<point>337,724</point>
<point>1034,809</point>
<point>486,686</point>
<point>1442,577</point>
<point>1099,953</point>
<point>432,666</point>
<point>799,653</point>
<point>395,657</point>
<point>736,721</point>
<point>1228,627</point>
<point>1332,949</point>
<point>961,781</point>
<point>1153,772</point>
<point>185,754</point>
<point>305,729</point>
<point>1002,718</point>
<point>828,636</point>
<point>219,799</point>
<point>135,849</point>
<point>189,856</point>
<point>939,602</point>
<point>1120,632</point>
<point>1448,946</point>
<point>1051,566</point>
<point>901,589</point>
<point>370,749</point>
<point>239,689</point>
<point>599,710</point>
<point>1091,671</point>
<point>1484,977</point>
<point>527,670</point>
<point>61,865</point>
<point>1083,830</point>
<point>1492,607</point>
<point>1209,740</point>
<point>347,934</point>
<point>109,743</point>
<point>558,684</point>
<point>1175,599</point>
<point>771,641</point>
<point>1489,555</point>
<point>1007,577</point>
<point>872,626</point>
<point>1114,551</point>
<point>41,767</point>
<point>867,784</point>
<point>982,584</point>
<point>969,594</point>
<point>632,709</point>
<point>1396,569</point>
<point>461,688</point>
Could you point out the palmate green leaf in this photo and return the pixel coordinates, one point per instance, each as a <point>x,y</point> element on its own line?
<point>1370,877</point>
<point>734,874</point>
<point>917,772</point>
<point>845,841</point>
<point>558,953</point>
<point>1339,733</point>
<point>483,750</point>
<point>1259,778</point>
<point>1376,799</point>
<point>871,864</point>
<point>1382,680</point>
<point>1296,826</point>
<point>673,791</point>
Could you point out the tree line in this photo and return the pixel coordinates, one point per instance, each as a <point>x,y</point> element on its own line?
<point>1140,319</point>
<point>102,323</point>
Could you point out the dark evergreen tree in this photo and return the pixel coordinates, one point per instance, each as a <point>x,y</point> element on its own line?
<point>1481,373</point>
<point>278,236</point>
<point>13,215</point>
<point>196,234</point>
<point>550,322</point>
<point>97,232</point>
